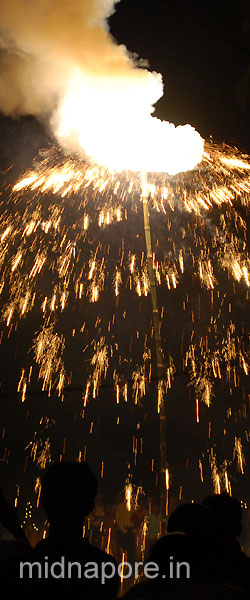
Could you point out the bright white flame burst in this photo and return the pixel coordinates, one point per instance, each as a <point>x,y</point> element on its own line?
<point>111,121</point>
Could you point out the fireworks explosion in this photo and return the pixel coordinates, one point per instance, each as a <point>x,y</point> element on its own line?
<point>74,280</point>
<point>63,270</point>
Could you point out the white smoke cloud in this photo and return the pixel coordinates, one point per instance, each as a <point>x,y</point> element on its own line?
<point>58,59</point>
<point>44,41</point>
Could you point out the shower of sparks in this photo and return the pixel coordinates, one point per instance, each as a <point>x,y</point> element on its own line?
<point>59,255</point>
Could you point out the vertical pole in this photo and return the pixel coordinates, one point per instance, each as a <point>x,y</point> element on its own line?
<point>159,354</point>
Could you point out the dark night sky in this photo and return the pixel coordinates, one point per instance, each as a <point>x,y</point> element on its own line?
<point>203,52</point>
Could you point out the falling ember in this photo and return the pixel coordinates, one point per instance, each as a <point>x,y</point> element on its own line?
<point>227,483</point>
<point>117,394</point>
<point>139,384</point>
<point>181,261</point>
<point>48,347</point>
<point>108,541</point>
<point>24,391</point>
<point>16,261</point>
<point>122,569</point>
<point>117,282</point>
<point>167,479</point>
<point>144,536</point>
<point>201,471</point>
<point>17,495</point>
<point>26,182</point>
<point>125,392</point>
<point>167,491</point>
<point>215,473</point>
<point>217,487</point>
<point>160,395</point>
<point>45,456</point>
<point>38,489</point>
<point>100,363</point>
<point>132,264</point>
<point>86,393</point>
<point>138,288</point>
<point>92,268</point>
<point>235,162</point>
<point>197,411</point>
<point>145,284</point>
<point>128,495</point>
<point>238,453</point>
<point>5,233</point>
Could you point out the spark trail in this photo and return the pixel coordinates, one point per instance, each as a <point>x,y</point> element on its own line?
<point>73,263</point>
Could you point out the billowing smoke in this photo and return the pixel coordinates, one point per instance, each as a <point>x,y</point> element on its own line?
<point>44,41</point>
<point>58,59</point>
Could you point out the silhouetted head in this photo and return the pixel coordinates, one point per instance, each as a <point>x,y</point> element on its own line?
<point>193,519</point>
<point>68,492</point>
<point>178,548</point>
<point>227,512</point>
<point>171,547</point>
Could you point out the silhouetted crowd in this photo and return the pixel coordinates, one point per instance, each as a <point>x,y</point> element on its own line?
<point>114,551</point>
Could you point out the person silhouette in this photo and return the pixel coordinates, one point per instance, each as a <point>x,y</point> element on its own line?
<point>179,570</point>
<point>193,519</point>
<point>66,559</point>
<point>233,563</point>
